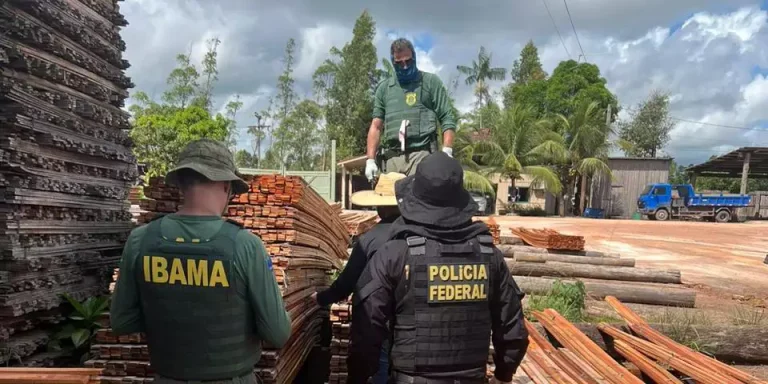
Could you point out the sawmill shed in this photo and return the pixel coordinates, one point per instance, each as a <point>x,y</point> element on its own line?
<point>618,197</point>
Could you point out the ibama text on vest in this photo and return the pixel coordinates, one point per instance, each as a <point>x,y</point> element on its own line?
<point>185,271</point>
<point>457,282</point>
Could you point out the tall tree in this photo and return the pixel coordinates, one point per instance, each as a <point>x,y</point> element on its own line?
<point>528,67</point>
<point>647,130</point>
<point>480,73</point>
<point>210,74</point>
<point>528,77</point>
<point>286,101</point>
<point>304,135</point>
<point>244,159</point>
<point>349,74</point>
<point>182,82</point>
<point>575,85</point>
<point>231,112</point>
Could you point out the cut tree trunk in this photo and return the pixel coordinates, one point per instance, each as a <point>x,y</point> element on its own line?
<point>626,292</point>
<point>535,257</point>
<point>558,269</point>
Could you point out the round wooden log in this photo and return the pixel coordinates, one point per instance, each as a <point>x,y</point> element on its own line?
<point>730,344</point>
<point>509,250</point>
<point>588,253</point>
<point>510,240</point>
<point>600,272</point>
<point>547,257</point>
<point>626,292</point>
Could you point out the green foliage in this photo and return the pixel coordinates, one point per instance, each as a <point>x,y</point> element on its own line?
<point>528,210</point>
<point>479,74</point>
<point>161,130</point>
<point>568,299</point>
<point>647,131</point>
<point>528,67</point>
<point>77,332</point>
<point>348,78</point>
<point>301,126</point>
<point>244,159</point>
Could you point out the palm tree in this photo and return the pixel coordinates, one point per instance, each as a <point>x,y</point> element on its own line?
<point>479,73</point>
<point>506,151</point>
<point>579,144</point>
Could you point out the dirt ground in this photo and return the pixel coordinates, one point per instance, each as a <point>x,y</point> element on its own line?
<point>719,260</point>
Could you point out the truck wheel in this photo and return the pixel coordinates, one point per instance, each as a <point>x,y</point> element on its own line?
<point>661,215</point>
<point>723,216</point>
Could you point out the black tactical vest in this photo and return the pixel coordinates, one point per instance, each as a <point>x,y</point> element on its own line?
<point>445,322</point>
<point>198,322</point>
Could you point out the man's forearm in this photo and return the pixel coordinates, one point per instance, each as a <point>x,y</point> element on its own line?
<point>374,134</point>
<point>448,138</point>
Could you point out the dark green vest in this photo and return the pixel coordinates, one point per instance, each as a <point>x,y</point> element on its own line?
<point>198,323</point>
<point>408,102</point>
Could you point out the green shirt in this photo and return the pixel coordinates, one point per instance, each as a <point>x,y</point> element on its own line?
<point>440,100</point>
<point>252,264</point>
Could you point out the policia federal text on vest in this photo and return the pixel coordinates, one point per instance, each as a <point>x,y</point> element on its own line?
<point>188,288</point>
<point>445,324</point>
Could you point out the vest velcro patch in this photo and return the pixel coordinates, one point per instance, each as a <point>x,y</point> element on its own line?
<point>187,271</point>
<point>455,283</point>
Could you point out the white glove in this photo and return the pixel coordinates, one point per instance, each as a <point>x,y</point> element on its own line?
<point>371,169</point>
<point>448,151</point>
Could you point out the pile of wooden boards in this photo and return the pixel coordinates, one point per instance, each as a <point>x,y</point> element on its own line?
<point>49,375</point>
<point>549,239</point>
<point>66,165</point>
<point>359,222</point>
<point>340,317</point>
<point>535,270</point>
<point>305,239</point>
<point>493,226</point>
<point>651,355</point>
<point>160,199</point>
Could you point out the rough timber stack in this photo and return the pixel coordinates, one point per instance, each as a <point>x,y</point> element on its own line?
<point>65,162</point>
<point>340,317</point>
<point>305,239</point>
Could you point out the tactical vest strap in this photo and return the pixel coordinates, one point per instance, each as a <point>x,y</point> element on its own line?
<point>416,245</point>
<point>486,244</point>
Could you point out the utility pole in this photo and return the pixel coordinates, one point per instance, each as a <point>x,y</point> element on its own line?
<point>259,130</point>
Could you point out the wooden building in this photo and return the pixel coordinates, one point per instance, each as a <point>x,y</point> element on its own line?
<point>618,196</point>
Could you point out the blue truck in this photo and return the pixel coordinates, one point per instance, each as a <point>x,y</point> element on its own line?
<point>664,201</point>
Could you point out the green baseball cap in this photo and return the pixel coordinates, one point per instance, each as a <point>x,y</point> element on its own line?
<point>211,159</point>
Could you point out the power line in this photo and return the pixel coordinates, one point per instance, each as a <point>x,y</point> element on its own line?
<point>742,128</point>
<point>574,29</point>
<point>556,29</point>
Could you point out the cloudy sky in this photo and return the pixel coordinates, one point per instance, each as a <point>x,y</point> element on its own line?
<point>710,55</point>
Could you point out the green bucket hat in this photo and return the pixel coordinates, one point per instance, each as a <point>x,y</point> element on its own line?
<point>211,159</point>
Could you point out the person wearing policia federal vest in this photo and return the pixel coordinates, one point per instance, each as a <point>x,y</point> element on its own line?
<point>442,285</point>
<point>406,110</point>
<point>383,198</point>
<point>201,288</point>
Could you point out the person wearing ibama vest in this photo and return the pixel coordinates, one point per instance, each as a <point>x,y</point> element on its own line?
<point>383,198</point>
<point>201,288</point>
<point>442,285</point>
<point>406,110</point>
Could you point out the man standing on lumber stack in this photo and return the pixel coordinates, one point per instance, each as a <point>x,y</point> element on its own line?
<point>201,288</point>
<point>406,110</point>
<point>383,198</point>
<point>443,286</point>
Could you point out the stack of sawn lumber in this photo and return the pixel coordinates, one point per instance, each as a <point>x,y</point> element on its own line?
<point>307,240</point>
<point>359,222</point>
<point>535,270</point>
<point>493,227</point>
<point>49,375</point>
<point>549,239</point>
<point>66,165</point>
<point>650,354</point>
<point>340,317</point>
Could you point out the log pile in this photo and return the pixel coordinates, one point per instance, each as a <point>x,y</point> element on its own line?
<point>653,355</point>
<point>66,165</point>
<point>359,222</point>
<point>549,239</point>
<point>493,226</point>
<point>536,269</point>
<point>305,239</point>
<point>340,317</point>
